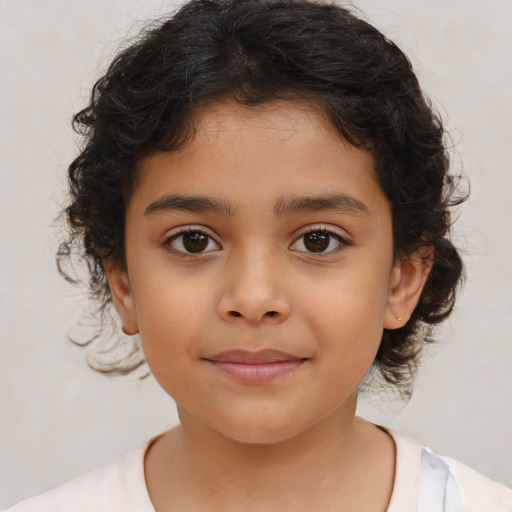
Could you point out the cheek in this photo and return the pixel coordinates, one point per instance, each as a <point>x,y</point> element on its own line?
<point>171,314</point>
<point>348,347</point>
<point>347,317</point>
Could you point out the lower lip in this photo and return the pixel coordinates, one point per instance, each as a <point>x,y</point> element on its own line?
<point>258,373</point>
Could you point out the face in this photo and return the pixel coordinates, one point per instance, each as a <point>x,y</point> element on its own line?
<point>260,271</point>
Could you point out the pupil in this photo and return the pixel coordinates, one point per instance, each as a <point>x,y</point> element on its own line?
<point>195,242</point>
<point>317,242</point>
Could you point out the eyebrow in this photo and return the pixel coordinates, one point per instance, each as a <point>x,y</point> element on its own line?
<point>195,204</point>
<point>342,203</point>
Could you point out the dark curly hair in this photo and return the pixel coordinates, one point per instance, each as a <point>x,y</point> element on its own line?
<point>256,51</point>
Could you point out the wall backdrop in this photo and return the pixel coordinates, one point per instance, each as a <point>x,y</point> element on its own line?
<point>60,419</point>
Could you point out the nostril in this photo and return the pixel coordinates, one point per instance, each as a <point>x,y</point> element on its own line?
<point>268,313</point>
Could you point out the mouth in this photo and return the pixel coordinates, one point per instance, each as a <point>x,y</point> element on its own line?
<point>256,367</point>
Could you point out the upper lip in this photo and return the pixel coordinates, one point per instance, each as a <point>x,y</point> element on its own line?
<point>259,357</point>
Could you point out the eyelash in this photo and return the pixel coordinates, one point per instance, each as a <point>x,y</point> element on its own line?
<point>167,244</point>
<point>343,243</point>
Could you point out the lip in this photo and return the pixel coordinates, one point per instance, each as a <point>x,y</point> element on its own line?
<point>256,367</point>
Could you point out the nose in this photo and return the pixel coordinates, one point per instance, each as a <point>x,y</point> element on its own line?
<point>254,290</point>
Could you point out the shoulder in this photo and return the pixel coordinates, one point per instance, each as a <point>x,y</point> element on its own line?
<point>478,492</point>
<point>441,482</point>
<point>118,485</point>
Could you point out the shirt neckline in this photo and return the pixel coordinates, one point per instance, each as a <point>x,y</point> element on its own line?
<point>404,497</point>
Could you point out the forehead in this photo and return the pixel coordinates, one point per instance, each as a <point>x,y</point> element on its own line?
<point>260,153</point>
<point>298,122</point>
<point>277,119</point>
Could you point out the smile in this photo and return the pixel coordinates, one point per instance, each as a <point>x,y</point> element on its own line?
<point>256,367</point>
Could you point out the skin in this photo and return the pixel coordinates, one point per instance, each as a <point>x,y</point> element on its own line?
<point>293,443</point>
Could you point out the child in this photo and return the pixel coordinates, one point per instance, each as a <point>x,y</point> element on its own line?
<point>263,195</point>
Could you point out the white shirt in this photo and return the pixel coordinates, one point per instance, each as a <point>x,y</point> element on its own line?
<point>424,482</point>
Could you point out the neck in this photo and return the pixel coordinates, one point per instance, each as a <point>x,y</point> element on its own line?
<point>331,458</point>
<point>251,467</point>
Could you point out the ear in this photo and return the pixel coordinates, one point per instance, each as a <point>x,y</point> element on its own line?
<point>408,278</point>
<point>122,296</point>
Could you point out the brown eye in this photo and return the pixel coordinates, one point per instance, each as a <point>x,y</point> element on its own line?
<point>192,242</point>
<point>320,241</point>
<point>195,242</point>
<point>316,242</point>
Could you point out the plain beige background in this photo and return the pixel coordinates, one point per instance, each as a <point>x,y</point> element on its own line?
<point>59,419</point>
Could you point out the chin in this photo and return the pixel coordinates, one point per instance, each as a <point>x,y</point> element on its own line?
<point>263,431</point>
<point>259,437</point>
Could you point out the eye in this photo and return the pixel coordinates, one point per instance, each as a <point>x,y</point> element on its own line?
<point>320,241</point>
<point>192,241</point>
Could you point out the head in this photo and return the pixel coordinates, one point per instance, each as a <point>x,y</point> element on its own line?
<point>158,98</point>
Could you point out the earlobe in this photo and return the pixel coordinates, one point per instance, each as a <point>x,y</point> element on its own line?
<point>122,296</point>
<point>406,285</point>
